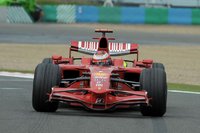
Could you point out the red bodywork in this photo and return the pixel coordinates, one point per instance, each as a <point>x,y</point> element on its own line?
<point>100,87</point>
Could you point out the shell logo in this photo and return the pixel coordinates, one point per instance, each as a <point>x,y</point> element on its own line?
<point>100,74</point>
<point>99,88</point>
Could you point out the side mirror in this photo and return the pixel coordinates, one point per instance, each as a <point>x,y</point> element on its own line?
<point>56,57</point>
<point>147,61</point>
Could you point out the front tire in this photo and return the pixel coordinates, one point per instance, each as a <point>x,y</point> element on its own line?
<point>154,82</point>
<point>158,65</point>
<point>46,76</point>
<point>47,61</point>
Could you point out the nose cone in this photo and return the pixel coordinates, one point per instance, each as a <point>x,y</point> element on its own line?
<point>100,82</point>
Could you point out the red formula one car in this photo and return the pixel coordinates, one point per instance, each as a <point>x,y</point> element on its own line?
<point>100,83</point>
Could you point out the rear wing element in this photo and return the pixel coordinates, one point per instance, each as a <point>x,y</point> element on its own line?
<point>114,48</point>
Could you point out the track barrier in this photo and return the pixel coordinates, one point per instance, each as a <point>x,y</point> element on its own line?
<point>109,15</point>
<point>125,15</point>
<point>156,16</point>
<point>195,16</point>
<point>180,16</point>
<point>14,14</point>
<point>66,14</point>
<point>98,14</point>
<point>49,13</point>
<point>87,14</point>
<point>132,15</point>
<point>3,16</point>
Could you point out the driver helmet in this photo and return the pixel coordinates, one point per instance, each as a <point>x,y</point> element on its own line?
<point>101,58</point>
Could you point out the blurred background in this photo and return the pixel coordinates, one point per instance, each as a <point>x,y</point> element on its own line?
<point>123,11</point>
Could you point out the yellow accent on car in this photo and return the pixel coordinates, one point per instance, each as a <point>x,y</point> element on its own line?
<point>124,64</point>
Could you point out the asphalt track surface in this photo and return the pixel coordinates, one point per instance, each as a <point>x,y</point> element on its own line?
<point>18,116</point>
<point>63,33</point>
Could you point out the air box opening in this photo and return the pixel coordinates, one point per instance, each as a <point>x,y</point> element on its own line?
<point>103,43</point>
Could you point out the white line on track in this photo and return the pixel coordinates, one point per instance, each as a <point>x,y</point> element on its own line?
<point>186,92</point>
<point>30,76</point>
<point>16,74</point>
<point>10,88</point>
<point>16,80</point>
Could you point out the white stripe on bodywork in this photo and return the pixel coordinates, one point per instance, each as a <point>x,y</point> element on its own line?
<point>129,47</point>
<point>116,49</point>
<point>79,44</point>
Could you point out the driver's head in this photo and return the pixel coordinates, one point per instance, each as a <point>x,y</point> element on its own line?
<point>101,58</point>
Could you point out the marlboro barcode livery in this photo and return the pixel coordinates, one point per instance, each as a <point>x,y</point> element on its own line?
<point>114,48</point>
<point>100,82</point>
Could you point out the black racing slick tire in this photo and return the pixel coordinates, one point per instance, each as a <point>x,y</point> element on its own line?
<point>47,61</point>
<point>46,76</point>
<point>158,65</point>
<point>154,82</point>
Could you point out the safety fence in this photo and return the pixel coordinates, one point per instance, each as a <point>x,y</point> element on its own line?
<point>97,14</point>
<point>14,14</point>
<point>128,15</point>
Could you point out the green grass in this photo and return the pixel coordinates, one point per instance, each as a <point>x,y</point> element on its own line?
<point>183,87</point>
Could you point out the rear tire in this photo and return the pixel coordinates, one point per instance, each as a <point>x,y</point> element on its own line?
<point>47,61</point>
<point>46,76</point>
<point>158,65</point>
<point>154,82</point>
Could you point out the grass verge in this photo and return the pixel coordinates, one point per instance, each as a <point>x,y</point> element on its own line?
<point>183,87</point>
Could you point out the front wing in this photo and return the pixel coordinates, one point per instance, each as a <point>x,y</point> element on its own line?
<point>90,99</point>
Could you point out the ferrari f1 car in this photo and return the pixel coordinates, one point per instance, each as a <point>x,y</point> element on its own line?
<point>100,82</point>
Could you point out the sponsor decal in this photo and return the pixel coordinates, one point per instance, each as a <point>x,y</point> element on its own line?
<point>119,47</point>
<point>100,74</point>
<point>88,46</point>
<point>99,88</point>
<point>99,101</point>
<point>114,48</point>
<point>99,85</point>
<point>99,78</point>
